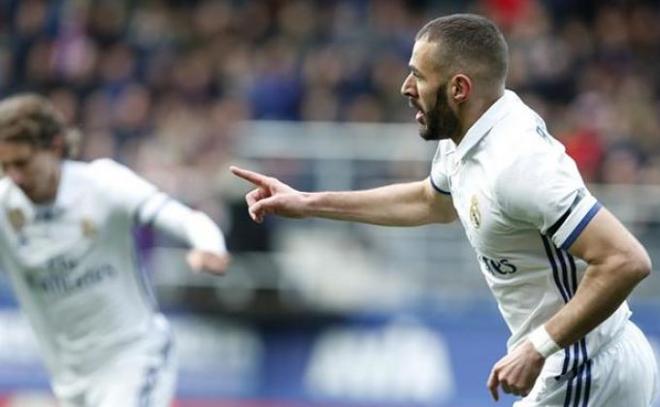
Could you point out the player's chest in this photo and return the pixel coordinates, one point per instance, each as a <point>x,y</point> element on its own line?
<point>36,234</point>
<point>486,227</point>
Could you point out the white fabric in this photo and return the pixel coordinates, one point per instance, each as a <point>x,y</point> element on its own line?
<point>440,168</point>
<point>510,182</point>
<point>74,269</point>
<point>144,374</point>
<point>543,342</point>
<point>624,373</point>
<point>194,228</point>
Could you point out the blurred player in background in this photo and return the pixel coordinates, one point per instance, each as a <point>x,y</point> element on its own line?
<point>560,265</point>
<point>66,241</point>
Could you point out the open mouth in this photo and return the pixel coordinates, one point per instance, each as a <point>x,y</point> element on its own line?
<point>419,117</point>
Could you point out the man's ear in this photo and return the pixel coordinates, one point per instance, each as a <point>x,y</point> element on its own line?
<point>461,88</point>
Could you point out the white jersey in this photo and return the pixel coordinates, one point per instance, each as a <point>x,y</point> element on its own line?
<point>74,268</point>
<point>523,203</point>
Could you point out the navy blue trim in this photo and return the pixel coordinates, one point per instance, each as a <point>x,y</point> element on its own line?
<point>138,208</point>
<point>578,375</point>
<point>587,386</point>
<point>571,262</point>
<point>569,388</point>
<point>141,275</point>
<point>579,382</point>
<point>565,274</point>
<point>555,226</point>
<point>437,188</point>
<point>151,378</point>
<point>553,264</point>
<point>150,222</point>
<point>580,227</point>
<point>564,291</point>
<point>567,361</point>
<point>586,368</point>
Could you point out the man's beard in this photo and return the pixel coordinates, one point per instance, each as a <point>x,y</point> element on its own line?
<point>441,122</point>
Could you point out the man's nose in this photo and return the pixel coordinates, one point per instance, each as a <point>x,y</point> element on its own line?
<point>409,88</point>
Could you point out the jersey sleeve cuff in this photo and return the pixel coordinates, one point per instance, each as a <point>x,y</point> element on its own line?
<point>437,188</point>
<point>575,223</point>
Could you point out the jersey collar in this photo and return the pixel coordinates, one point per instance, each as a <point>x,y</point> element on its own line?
<point>485,123</point>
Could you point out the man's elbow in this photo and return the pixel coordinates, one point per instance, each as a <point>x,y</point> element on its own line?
<point>639,265</point>
<point>645,266</point>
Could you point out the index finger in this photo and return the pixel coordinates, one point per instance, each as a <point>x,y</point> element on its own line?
<point>493,383</point>
<point>250,176</point>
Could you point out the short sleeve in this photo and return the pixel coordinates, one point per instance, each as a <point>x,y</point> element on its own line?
<point>439,176</point>
<point>546,190</point>
<point>128,190</point>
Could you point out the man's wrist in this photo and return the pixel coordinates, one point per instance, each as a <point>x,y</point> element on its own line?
<point>543,342</point>
<point>312,204</point>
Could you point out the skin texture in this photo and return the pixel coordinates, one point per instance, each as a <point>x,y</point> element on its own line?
<point>207,262</point>
<point>428,94</point>
<point>409,204</point>
<point>447,104</point>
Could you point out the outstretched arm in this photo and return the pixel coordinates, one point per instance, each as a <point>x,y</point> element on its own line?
<point>140,200</point>
<point>409,204</point>
<point>208,252</point>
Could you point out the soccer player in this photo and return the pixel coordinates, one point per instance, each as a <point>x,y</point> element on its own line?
<point>66,242</point>
<point>559,264</point>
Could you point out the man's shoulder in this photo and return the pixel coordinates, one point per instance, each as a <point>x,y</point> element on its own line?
<point>5,184</point>
<point>521,135</point>
<point>11,194</point>
<point>104,165</point>
<point>81,175</point>
<point>109,171</point>
<point>521,125</point>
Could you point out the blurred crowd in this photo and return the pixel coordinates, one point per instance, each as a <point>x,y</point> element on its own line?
<point>158,84</point>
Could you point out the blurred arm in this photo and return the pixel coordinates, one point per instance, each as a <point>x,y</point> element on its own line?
<point>192,227</point>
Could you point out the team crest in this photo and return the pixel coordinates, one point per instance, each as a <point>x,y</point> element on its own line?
<point>88,228</point>
<point>16,218</point>
<point>475,214</point>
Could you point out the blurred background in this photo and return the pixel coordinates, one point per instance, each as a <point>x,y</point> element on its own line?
<point>316,313</point>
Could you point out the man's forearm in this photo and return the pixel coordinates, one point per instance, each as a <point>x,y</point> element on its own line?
<point>408,204</point>
<point>600,293</point>
<point>177,220</point>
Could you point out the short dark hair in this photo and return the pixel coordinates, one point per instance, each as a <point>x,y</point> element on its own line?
<point>31,118</point>
<point>471,43</point>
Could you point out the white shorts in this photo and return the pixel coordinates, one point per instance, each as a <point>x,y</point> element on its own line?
<point>144,375</point>
<point>622,374</point>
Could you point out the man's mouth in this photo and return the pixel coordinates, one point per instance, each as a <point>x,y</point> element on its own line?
<point>419,117</point>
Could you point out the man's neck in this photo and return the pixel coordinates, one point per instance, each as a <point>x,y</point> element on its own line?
<point>472,112</point>
<point>54,183</point>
